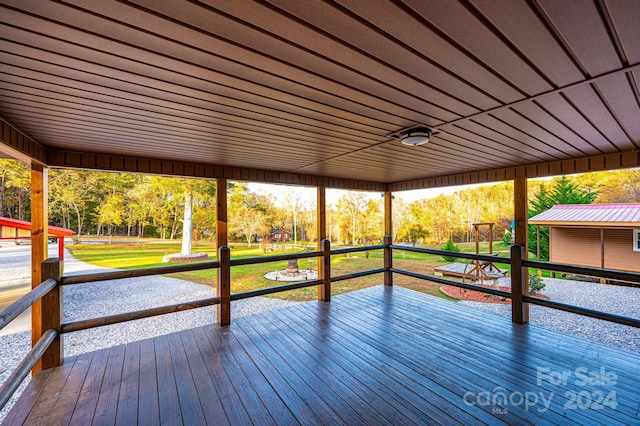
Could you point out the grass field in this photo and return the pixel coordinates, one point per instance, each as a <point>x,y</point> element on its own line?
<point>249,277</point>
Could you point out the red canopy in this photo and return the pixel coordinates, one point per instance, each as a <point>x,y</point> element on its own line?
<point>23,224</point>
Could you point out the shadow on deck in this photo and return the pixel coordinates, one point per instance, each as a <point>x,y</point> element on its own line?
<point>376,356</point>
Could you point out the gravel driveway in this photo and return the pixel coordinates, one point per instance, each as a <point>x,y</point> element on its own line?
<point>607,298</point>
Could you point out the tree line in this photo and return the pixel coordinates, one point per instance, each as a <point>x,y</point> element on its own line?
<point>135,205</point>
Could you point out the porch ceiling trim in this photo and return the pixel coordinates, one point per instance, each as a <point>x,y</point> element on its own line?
<point>122,163</point>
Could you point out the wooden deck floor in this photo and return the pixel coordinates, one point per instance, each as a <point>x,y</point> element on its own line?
<point>376,356</point>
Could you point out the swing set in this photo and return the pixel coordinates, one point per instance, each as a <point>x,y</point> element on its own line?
<point>481,270</point>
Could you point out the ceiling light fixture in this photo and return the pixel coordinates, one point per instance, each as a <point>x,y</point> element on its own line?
<point>415,136</point>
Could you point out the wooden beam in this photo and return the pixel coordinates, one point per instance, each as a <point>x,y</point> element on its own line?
<point>87,160</point>
<point>602,248</point>
<point>15,144</point>
<point>594,163</point>
<point>520,211</point>
<point>324,272</point>
<point>520,252</point>
<point>39,246</point>
<point>223,286</point>
<point>321,221</point>
<point>388,260</point>
<point>519,285</point>
<point>52,314</point>
<point>388,213</point>
<point>221,213</point>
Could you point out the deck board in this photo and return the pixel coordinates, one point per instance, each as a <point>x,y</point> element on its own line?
<point>85,407</point>
<point>128,397</point>
<point>375,356</point>
<point>107,404</point>
<point>148,404</point>
<point>170,412</point>
<point>68,398</point>
<point>206,390</point>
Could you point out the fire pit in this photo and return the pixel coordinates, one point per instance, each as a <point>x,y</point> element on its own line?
<point>292,273</point>
<point>292,266</point>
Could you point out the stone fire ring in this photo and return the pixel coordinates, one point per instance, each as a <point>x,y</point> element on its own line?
<point>182,258</point>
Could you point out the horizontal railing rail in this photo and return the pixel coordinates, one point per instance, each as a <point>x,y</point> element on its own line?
<point>627,279</point>
<point>472,256</point>
<point>348,250</point>
<point>70,327</point>
<point>140,272</point>
<point>358,274</point>
<point>13,382</point>
<point>276,289</point>
<point>619,319</point>
<point>25,302</point>
<point>444,281</point>
<point>274,258</point>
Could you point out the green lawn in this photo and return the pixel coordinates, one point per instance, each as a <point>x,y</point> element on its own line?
<point>250,277</point>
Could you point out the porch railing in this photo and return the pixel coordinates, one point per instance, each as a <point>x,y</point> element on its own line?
<point>48,351</point>
<point>47,347</point>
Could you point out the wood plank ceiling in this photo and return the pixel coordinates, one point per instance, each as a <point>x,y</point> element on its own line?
<point>322,87</point>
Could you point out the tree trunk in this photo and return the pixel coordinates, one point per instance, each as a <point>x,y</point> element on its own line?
<point>174,225</point>
<point>20,204</point>
<point>187,224</point>
<point>79,221</point>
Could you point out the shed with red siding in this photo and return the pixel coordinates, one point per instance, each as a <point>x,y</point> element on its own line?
<point>18,230</point>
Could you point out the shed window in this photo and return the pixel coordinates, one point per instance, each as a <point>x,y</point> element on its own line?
<point>636,239</point>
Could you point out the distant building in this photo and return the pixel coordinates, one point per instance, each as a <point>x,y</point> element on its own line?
<point>593,235</point>
<point>20,232</point>
<point>280,234</point>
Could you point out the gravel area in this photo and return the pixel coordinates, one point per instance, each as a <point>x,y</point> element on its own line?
<point>103,298</point>
<point>607,298</point>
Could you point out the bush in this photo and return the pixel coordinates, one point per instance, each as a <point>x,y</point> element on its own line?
<point>449,246</point>
<point>506,238</point>
<point>536,284</point>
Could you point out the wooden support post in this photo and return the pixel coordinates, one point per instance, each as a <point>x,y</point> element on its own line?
<point>39,245</point>
<point>388,213</point>
<point>388,238</point>
<point>61,247</point>
<point>52,314</point>
<point>224,286</point>
<point>388,260</point>
<point>321,220</point>
<point>602,280</point>
<point>520,211</point>
<point>477,236</point>
<point>221,213</point>
<point>324,293</point>
<point>491,238</point>
<point>519,285</point>
<point>538,245</point>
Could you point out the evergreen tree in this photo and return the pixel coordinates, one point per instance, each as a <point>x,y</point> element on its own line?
<point>562,191</point>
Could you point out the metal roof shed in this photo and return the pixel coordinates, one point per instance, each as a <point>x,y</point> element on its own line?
<point>595,235</point>
<point>21,229</point>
